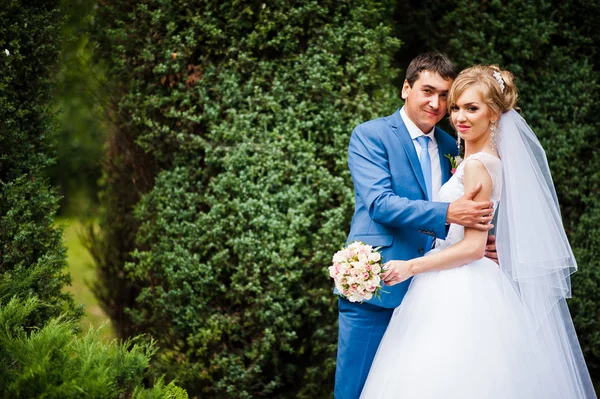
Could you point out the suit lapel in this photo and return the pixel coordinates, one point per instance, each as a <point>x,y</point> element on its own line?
<point>443,151</point>
<point>401,132</point>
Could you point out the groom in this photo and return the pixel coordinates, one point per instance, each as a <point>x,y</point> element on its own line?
<point>398,164</point>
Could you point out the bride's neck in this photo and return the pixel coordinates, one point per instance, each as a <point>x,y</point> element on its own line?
<point>475,146</point>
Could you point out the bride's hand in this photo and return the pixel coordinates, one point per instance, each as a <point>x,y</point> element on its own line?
<point>396,271</point>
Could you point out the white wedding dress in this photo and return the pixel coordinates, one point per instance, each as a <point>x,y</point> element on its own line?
<point>461,333</point>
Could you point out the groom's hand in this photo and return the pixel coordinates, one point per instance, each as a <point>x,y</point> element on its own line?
<point>469,213</point>
<point>490,248</point>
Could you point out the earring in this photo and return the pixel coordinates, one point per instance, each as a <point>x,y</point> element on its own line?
<point>493,137</point>
<point>458,141</point>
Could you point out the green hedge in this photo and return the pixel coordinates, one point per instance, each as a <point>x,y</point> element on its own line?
<point>232,124</point>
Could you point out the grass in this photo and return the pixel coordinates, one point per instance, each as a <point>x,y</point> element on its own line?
<point>83,275</point>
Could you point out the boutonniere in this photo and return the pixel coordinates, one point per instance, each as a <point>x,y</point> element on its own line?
<point>454,162</point>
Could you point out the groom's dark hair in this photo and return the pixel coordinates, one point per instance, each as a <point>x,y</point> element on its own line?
<point>432,62</point>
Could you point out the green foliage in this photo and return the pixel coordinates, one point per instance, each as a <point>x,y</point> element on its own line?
<point>32,258</point>
<point>40,355</point>
<point>79,139</point>
<point>558,95</point>
<point>160,391</point>
<point>52,362</point>
<point>232,123</point>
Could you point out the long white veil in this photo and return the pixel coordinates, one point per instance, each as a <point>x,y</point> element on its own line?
<point>534,251</point>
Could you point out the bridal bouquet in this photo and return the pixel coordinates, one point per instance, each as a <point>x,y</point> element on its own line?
<point>356,271</point>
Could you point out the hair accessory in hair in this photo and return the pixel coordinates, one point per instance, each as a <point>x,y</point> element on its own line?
<point>498,77</point>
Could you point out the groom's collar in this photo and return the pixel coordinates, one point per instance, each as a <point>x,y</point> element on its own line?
<point>446,143</point>
<point>413,130</point>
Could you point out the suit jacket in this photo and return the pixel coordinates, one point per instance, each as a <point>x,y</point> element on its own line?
<point>392,210</point>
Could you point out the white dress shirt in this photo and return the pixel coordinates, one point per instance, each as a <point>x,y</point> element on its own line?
<point>436,169</point>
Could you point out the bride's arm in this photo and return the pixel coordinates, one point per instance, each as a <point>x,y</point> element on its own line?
<point>469,249</point>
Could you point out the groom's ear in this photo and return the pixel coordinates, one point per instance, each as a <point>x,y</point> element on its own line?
<point>405,89</point>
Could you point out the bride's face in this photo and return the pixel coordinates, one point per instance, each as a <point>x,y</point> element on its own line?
<point>470,116</point>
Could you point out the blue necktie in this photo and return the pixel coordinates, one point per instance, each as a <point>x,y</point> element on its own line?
<point>425,161</point>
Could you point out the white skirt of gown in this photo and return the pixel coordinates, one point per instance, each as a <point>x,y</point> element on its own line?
<point>459,334</point>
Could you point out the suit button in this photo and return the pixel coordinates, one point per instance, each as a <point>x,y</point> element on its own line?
<point>421,251</point>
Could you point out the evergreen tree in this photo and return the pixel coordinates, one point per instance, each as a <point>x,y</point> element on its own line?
<point>32,257</point>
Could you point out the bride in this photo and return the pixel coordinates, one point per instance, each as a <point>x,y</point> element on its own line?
<point>469,328</point>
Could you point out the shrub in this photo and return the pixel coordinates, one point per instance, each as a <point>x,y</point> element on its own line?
<point>243,112</point>
<point>52,362</point>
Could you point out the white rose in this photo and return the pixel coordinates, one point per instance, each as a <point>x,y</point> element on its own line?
<point>355,246</point>
<point>355,298</point>
<point>375,280</point>
<point>338,257</point>
<point>358,266</point>
<point>375,257</point>
<point>332,272</point>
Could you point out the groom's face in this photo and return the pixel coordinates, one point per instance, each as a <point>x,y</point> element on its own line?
<point>425,102</point>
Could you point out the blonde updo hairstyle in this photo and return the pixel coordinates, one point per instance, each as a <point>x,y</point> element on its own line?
<point>482,76</point>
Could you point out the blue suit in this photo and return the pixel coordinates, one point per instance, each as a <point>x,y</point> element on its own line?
<point>392,211</point>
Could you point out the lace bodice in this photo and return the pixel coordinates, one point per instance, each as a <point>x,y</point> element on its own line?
<point>454,189</point>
